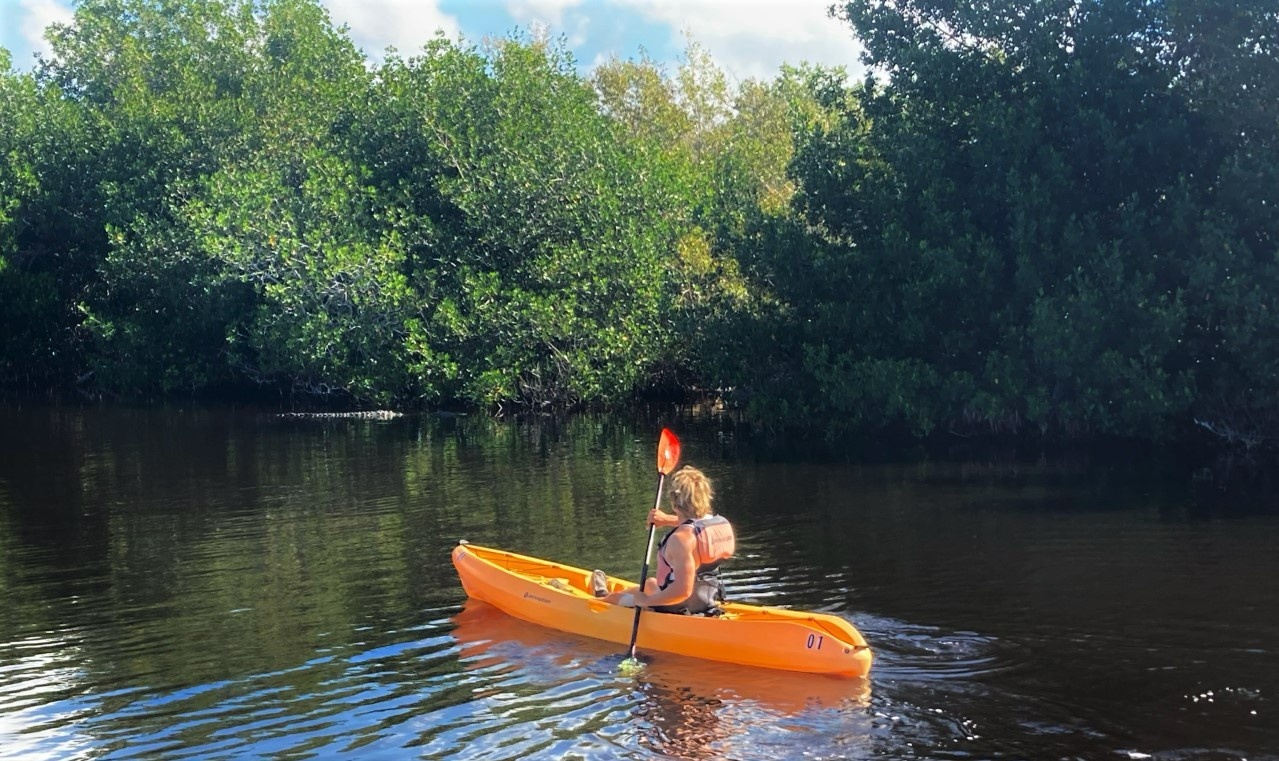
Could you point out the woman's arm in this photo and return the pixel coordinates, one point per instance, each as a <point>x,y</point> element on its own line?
<point>658,518</point>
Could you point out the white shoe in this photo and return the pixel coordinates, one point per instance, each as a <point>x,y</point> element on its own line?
<point>599,583</point>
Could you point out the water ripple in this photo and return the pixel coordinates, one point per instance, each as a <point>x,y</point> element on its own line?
<point>915,652</point>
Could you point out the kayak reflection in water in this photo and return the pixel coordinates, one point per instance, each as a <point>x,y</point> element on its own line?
<point>688,557</point>
<point>682,723</point>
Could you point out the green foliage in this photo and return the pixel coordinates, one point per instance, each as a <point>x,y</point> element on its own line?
<point>157,97</point>
<point>44,233</point>
<point>542,272</point>
<point>748,328</point>
<point>1027,225</point>
<point>333,311</point>
<point>640,97</point>
<point>1045,217</point>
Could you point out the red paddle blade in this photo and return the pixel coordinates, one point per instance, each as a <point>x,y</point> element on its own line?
<point>667,452</point>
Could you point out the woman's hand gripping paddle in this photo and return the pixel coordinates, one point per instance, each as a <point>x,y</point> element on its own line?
<point>667,458</point>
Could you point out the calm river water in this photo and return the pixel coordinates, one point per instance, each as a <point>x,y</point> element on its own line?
<point>222,584</point>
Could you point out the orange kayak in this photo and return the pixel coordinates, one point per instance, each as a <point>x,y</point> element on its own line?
<point>558,597</point>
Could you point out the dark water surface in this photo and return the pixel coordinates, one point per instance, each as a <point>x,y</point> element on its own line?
<point>230,584</point>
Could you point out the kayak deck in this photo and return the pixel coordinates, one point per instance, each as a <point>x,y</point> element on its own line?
<point>558,596</point>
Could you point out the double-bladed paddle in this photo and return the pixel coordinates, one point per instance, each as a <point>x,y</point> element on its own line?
<point>667,458</point>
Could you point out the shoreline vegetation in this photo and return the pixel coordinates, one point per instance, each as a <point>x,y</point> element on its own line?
<point>1055,222</point>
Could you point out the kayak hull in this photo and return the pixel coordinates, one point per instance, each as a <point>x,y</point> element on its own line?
<point>558,596</point>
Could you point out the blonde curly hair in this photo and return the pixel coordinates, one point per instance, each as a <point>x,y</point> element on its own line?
<point>691,492</point>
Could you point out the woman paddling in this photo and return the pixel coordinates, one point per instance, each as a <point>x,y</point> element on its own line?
<point>688,557</point>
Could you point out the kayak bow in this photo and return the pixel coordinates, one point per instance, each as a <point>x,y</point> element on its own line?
<point>559,597</point>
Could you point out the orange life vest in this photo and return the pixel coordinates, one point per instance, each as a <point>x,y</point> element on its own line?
<point>715,541</point>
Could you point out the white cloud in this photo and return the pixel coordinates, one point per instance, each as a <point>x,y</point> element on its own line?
<point>753,38</point>
<point>548,16</point>
<point>548,13</point>
<point>405,24</point>
<point>34,16</point>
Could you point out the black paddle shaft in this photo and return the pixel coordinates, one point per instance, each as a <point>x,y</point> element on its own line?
<point>661,479</point>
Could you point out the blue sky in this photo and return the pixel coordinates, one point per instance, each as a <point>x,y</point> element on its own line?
<point>746,38</point>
